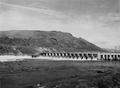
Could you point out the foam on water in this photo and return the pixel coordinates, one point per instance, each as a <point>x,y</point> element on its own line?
<point>6,58</point>
<point>64,58</point>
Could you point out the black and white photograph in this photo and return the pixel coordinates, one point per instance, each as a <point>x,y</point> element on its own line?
<point>59,43</point>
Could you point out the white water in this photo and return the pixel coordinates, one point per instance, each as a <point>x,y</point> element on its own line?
<point>64,58</point>
<point>6,58</point>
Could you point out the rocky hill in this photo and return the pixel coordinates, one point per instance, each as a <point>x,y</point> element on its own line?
<point>29,42</point>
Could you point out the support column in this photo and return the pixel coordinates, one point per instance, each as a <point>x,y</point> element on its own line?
<point>101,57</point>
<point>57,54</point>
<point>92,57</point>
<point>77,55</point>
<point>119,57</point>
<point>109,57</point>
<point>95,56</point>
<point>52,54</point>
<point>85,56</point>
<point>81,56</point>
<point>73,56</point>
<point>105,57</point>
<point>65,55</point>
<point>116,58</point>
<point>98,56</point>
<point>46,54</point>
<point>112,57</point>
<point>69,55</point>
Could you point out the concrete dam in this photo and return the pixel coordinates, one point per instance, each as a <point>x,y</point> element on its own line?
<point>81,55</point>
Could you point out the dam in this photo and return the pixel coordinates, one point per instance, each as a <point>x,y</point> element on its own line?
<point>81,55</point>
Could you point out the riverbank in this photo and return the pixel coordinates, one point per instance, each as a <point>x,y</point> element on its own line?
<point>50,73</point>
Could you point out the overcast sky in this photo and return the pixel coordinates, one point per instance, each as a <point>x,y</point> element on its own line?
<point>97,21</point>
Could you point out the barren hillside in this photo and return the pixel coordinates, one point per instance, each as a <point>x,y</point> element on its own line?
<point>29,42</point>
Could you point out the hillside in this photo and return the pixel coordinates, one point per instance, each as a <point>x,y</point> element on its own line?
<point>29,42</point>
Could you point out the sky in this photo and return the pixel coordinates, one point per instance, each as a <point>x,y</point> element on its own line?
<point>97,21</point>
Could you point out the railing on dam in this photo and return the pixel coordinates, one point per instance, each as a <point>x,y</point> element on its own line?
<point>82,55</point>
